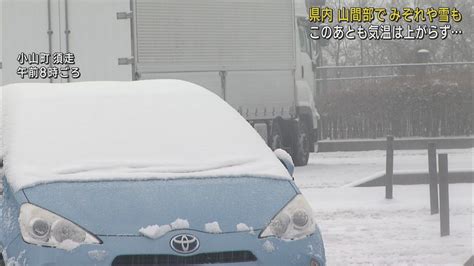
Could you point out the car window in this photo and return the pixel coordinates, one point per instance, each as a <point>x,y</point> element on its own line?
<point>305,44</point>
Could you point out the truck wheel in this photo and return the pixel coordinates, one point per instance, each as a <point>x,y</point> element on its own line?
<point>276,136</point>
<point>301,145</point>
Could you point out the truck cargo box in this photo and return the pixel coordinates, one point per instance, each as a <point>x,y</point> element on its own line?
<point>243,50</point>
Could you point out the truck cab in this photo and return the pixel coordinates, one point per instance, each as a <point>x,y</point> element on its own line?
<point>308,56</point>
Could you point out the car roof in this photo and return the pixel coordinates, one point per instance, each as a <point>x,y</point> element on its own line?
<point>156,129</point>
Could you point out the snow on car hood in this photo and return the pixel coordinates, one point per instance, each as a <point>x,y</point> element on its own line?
<point>159,129</point>
<point>124,207</point>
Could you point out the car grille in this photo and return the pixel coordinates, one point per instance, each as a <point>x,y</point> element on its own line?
<point>203,258</point>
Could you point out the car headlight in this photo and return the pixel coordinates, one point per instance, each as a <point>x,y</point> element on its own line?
<point>293,222</point>
<point>41,227</point>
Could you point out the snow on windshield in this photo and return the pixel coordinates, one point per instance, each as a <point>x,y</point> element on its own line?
<point>127,130</point>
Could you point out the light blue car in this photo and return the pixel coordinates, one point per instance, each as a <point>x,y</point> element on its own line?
<point>191,219</point>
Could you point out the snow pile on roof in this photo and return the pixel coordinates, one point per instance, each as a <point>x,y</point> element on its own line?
<point>139,130</point>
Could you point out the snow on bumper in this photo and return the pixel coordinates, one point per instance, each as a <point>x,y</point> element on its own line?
<point>298,252</point>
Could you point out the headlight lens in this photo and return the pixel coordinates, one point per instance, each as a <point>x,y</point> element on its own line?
<point>293,222</point>
<point>41,227</point>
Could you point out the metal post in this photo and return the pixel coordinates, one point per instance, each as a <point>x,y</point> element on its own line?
<point>443,194</point>
<point>389,169</point>
<point>433,175</point>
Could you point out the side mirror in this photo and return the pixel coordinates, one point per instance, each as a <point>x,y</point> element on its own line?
<point>286,160</point>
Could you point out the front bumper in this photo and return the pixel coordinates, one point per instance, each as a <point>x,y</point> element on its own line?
<point>273,252</point>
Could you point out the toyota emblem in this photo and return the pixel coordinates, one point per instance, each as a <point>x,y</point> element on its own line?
<point>184,243</point>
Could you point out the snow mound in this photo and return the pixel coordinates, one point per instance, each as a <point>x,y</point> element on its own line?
<point>213,228</point>
<point>155,231</point>
<point>68,245</point>
<point>180,224</point>
<point>281,153</point>
<point>141,130</point>
<point>286,159</point>
<point>241,227</point>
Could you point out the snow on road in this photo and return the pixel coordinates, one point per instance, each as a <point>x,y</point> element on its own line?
<point>335,169</point>
<point>361,227</point>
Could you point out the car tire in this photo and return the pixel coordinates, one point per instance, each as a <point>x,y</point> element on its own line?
<point>301,144</point>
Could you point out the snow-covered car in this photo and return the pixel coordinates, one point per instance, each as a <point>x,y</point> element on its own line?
<point>159,172</point>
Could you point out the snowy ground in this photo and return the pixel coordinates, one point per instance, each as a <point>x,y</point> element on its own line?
<point>335,169</point>
<point>361,227</point>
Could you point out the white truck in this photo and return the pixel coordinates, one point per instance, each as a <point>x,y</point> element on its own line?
<point>252,53</point>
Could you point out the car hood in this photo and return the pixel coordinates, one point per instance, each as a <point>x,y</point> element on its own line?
<point>123,207</point>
